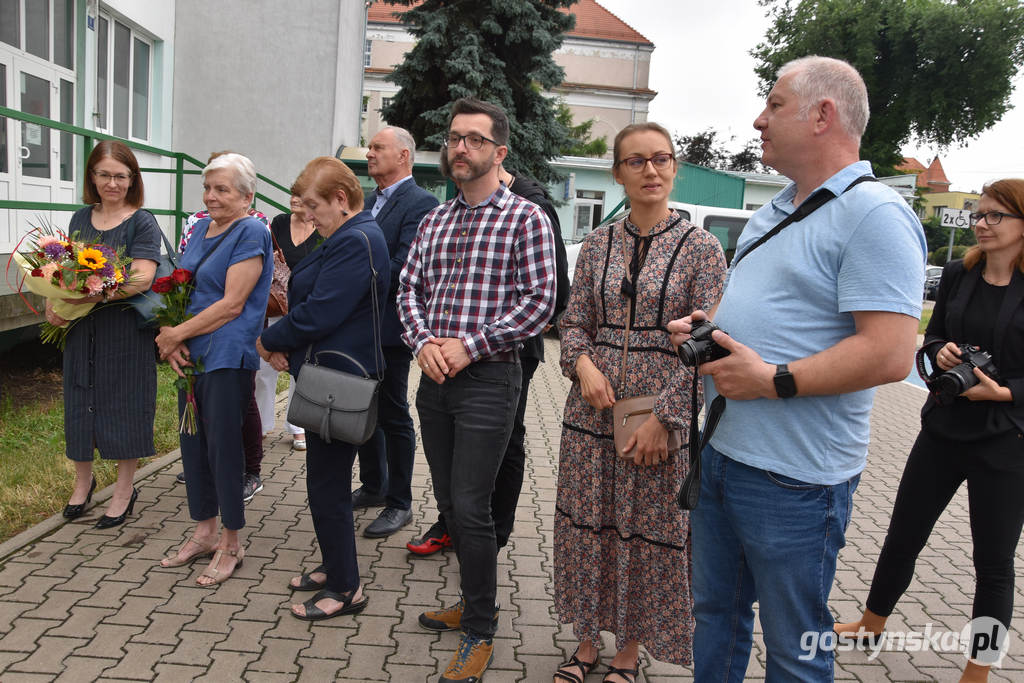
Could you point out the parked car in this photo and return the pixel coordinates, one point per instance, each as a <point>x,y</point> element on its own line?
<point>932,275</point>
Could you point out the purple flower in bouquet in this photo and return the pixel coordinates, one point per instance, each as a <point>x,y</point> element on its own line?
<point>54,251</point>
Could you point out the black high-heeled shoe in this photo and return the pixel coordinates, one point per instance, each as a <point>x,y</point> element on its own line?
<point>106,522</point>
<point>74,511</point>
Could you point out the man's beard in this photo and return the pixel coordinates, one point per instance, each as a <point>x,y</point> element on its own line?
<point>471,171</point>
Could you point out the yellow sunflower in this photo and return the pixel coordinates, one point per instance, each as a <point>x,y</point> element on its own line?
<point>92,258</point>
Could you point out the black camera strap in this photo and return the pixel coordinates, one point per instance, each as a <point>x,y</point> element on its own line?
<point>809,206</point>
<point>689,490</point>
<point>922,371</point>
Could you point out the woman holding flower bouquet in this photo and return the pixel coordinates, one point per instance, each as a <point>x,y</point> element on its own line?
<point>330,309</point>
<point>109,365</point>
<point>231,261</point>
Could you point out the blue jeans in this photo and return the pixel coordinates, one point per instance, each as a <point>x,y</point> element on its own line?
<point>465,423</point>
<point>760,536</point>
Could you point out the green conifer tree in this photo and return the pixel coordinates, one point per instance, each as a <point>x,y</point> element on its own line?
<point>496,50</point>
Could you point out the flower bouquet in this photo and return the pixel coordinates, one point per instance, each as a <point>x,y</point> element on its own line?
<point>176,292</point>
<point>57,267</point>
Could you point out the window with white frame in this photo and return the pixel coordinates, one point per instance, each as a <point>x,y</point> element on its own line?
<point>385,102</point>
<point>123,82</point>
<point>367,44</point>
<point>589,208</point>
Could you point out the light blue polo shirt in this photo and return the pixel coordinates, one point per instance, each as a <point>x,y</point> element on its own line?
<point>793,297</point>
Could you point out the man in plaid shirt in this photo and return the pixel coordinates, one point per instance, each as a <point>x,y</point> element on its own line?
<point>479,279</point>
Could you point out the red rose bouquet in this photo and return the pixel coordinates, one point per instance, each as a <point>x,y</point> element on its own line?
<point>176,291</point>
<point>58,267</point>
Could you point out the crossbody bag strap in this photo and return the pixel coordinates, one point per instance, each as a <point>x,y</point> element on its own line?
<point>376,314</point>
<point>810,205</point>
<point>220,241</point>
<point>375,307</point>
<point>629,315</point>
<point>167,245</point>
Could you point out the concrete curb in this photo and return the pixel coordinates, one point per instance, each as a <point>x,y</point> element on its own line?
<point>48,526</point>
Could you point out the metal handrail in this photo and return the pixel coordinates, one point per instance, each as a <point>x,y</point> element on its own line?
<point>88,140</point>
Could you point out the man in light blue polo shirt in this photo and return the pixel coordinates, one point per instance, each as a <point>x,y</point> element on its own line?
<point>817,315</point>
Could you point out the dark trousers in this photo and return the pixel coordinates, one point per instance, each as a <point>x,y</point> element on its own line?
<point>329,487</point>
<point>509,483</point>
<point>212,458</point>
<point>994,470</point>
<point>386,460</point>
<point>465,423</point>
<point>252,433</point>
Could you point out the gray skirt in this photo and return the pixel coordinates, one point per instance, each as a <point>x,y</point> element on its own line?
<point>109,386</point>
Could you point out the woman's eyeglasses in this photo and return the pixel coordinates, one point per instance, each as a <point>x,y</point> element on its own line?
<point>104,177</point>
<point>659,161</point>
<point>991,217</point>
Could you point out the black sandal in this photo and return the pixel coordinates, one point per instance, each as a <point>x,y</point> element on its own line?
<point>629,675</point>
<point>574,661</point>
<point>308,584</point>
<point>314,613</point>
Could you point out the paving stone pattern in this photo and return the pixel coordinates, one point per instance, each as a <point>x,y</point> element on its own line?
<point>80,604</point>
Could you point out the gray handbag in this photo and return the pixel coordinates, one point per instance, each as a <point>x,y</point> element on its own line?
<point>337,405</point>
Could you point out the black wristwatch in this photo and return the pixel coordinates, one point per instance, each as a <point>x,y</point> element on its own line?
<point>785,385</point>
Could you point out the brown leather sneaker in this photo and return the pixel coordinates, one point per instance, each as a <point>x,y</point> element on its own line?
<point>470,660</point>
<point>448,618</point>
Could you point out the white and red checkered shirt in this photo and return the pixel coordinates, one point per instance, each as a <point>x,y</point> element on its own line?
<point>484,274</point>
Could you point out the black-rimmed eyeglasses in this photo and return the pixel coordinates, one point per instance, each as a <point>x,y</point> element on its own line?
<point>991,217</point>
<point>473,140</point>
<point>659,161</point>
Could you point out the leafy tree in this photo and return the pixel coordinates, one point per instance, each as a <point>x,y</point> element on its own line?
<point>580,144</point>
<point>940,70</point>
<point>703,148</point>
<point>748,158</point>
<point>496,50</point>
<point>938,236</point>
<point>707,149</point>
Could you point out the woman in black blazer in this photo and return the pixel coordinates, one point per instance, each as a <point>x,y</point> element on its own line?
<point>979,437</point>
<point>330,309</point>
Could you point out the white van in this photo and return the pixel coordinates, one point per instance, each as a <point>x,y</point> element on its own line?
<point>725,224</point>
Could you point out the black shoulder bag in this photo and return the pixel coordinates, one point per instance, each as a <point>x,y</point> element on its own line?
<point>689,491</point>
<point>334,404</point>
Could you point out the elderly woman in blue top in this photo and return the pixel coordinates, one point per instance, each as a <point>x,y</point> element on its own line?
<point>231,258</point>
<point>330,308</point>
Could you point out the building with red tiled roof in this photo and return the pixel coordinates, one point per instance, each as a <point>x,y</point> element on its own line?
<point>930,179</point>
<point>606,61</point>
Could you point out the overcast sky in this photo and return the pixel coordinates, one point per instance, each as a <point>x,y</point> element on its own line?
<point>704,76</point>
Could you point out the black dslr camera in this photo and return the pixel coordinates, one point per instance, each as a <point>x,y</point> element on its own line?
<point>955,381</point>
<point>700,347</point>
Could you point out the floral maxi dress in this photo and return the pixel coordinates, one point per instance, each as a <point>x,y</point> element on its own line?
<point>622,544</point>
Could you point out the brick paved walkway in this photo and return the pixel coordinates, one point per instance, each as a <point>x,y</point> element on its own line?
<point>80,604</point>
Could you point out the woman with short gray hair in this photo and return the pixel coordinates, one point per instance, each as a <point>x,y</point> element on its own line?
<point>231,259</point>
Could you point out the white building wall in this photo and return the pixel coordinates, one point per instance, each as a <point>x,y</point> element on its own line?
<point>278,82</point>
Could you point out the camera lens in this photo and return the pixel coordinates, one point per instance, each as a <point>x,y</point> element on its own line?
<point>954,382</point>
<point>691,352</point>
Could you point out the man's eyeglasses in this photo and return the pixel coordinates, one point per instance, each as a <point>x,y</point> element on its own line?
<point>473,140</point>
<point>659,161</point>
<point>991,217</point>
<point>104,177</point>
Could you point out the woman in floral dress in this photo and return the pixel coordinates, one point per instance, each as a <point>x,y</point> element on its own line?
<point>622,558</point>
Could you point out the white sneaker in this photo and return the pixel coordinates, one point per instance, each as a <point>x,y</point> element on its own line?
<point>299,442</point>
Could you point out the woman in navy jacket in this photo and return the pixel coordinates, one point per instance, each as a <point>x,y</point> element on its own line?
<point>978,437</point>
<point>330,309</point>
